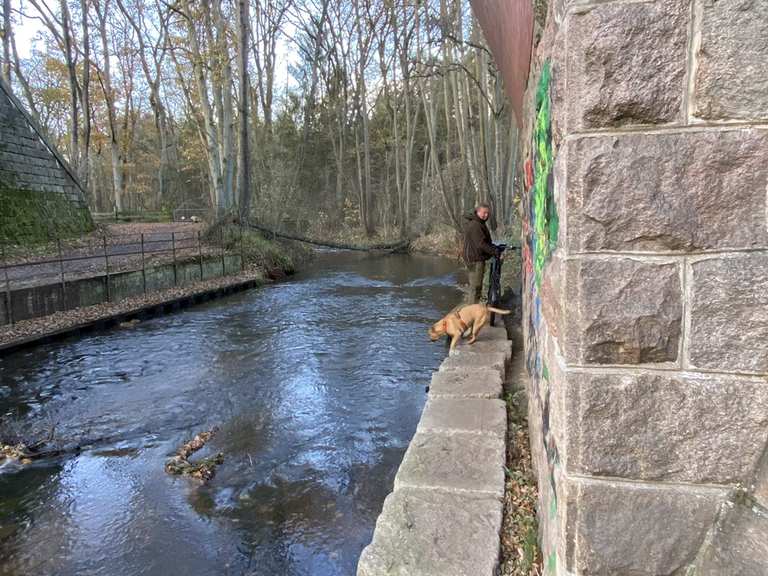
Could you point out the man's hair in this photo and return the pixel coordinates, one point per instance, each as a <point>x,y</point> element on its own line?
<point>482,205</point>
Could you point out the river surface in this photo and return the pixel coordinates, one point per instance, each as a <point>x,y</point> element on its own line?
<point>316,385</point>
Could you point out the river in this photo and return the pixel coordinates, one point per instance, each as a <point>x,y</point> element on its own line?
<point>316,385</point>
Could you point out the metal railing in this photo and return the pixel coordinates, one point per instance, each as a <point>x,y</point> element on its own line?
<point>64,261</point>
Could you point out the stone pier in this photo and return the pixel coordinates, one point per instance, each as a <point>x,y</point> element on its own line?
<point>444,516</point>
<point>645,234</point>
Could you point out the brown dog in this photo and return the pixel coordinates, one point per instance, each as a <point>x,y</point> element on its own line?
<point>458,321</point>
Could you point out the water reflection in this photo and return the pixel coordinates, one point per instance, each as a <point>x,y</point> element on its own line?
<point>316,385</point>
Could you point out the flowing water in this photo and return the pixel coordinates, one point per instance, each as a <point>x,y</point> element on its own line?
<point>316,385</point>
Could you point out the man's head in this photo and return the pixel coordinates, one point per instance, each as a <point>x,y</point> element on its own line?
<point>483,211</point>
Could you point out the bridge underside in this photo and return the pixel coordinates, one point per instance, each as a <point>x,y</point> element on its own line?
<point>645,161</point>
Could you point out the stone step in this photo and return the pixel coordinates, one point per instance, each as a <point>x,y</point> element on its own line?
<point>485,347</point>
<point>459,461</point>
<point>471,415</point>
<point>434,533</point>
<point>473,360</point>
<point>470,383</point>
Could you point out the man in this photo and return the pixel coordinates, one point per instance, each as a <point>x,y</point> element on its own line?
<point>477,249</point>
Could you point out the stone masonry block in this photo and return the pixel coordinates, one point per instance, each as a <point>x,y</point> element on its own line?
<point>469,360</point>
<point>623,311</point>
<point>479,383</point>
<point>473,462</point>
<point>626,64</point>
<point>739,545</point>
<point>433,533</point>
<point>622,529</point>
<point>679,192</point>
<point>487,346</point>
<point>475,415</point>
<point>729,313</point>
<point>670,427</point>
<point>732,61</point>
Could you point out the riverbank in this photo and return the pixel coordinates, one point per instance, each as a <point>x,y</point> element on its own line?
<point>264,261</point>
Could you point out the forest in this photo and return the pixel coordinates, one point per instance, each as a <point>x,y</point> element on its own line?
<point>375,117</point>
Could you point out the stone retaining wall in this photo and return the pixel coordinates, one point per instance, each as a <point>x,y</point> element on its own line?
<point>444,516</point>
<point>40,196</point>
<point>37,301</point>
<point>646,286</point>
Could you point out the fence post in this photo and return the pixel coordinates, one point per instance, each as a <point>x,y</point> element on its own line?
<point>242,250</point>
<point>200,255</point>
<point>173,247</point>
<point>61,270</point>
<point>223,263</point>
<point>143,267</point>
<point>8,307</point>
<point>106,268</point>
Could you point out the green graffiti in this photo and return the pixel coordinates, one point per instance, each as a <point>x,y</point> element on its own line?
<point>544,371</point>
<point>553,507</point>
<point>545,220</point>
<point>552,563</point>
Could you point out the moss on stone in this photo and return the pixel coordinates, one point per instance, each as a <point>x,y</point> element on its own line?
<point>31,217</point>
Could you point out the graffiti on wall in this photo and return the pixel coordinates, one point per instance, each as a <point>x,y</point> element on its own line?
<point>540,230</point>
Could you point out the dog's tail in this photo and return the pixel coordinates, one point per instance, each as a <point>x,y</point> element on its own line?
<point>499,311</point>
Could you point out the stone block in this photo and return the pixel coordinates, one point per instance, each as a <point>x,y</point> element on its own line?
<point>432,533</point>
<point>462,462</point>
<point>487,346</point>
<point>622,311</point>
<point>626,64</point>
<point>739,545</point>
<point>472,360</point>
<point>732,61</point>
<point>729,313</point>
<point>670,427</point>
<point>477,383</point>
<point>622,529</point>
<point>472,415</point>
<point>671,192</point>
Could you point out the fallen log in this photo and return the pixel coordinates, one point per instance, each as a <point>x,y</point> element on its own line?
<point>400,245</point>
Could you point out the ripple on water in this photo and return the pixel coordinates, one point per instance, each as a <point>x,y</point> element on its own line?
<point>316,385</point>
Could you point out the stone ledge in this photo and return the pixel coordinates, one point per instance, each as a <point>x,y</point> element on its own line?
<point>486,347</point>
<point>433,533</point>
<point>474,383</point>
<point>468,361</point>
<point>460,462</point>
<point>470,415</point>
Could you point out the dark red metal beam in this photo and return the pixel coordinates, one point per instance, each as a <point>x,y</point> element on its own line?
<point>508,28</point>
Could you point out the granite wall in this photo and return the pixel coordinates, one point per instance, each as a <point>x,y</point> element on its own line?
<point>646,285</point>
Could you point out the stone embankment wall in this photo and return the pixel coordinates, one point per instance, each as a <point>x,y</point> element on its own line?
<point>646,286</point>
<point>444,515</point>
<point>40,197</point>
<point>37,301</point>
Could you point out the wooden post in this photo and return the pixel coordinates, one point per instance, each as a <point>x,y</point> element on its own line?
<point>143,267</point>
<point>223,264</point>
<point>242,250</point>
<point>106,268</point>
<point>200,255</point>
<point>173,247</point>
<point>61,270</point>
<point>8,307</point>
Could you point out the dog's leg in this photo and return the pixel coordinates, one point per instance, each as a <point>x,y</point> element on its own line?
<point>454,341</point>
<point>476,327</point>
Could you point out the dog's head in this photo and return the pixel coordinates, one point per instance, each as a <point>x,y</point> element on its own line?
<point>437,330</point>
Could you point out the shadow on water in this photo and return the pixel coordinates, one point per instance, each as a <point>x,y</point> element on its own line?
<point>316,384</point>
